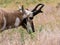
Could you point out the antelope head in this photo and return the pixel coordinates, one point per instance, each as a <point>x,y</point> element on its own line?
<point>27,23</point>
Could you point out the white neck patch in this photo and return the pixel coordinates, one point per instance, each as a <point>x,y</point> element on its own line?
<point>17,22</point>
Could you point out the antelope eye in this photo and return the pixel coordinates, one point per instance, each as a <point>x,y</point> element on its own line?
<point>31,17</point>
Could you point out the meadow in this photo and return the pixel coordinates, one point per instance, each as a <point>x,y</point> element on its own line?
<point>47,24</point>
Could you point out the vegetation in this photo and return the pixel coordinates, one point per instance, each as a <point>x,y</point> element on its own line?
<point>47,25</point>
<point>11,3</point>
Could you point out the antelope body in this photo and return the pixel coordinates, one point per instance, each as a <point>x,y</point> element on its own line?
<point>11,18</point>
<point>8,18</point>
<point>15,18</point>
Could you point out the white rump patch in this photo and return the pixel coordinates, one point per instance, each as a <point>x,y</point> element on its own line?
<point>17,22</point>
<point>4,25</point>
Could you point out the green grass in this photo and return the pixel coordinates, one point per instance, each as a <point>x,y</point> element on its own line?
<point>5,3</point>
<point>22,33</point>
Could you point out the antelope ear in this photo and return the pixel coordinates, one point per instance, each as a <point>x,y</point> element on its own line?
<point>20,8</point>
<point>23,10</point>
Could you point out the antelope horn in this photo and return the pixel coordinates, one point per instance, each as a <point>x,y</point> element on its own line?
<point>37,7</point>
<point>23,9</point>
<point>35,12</point>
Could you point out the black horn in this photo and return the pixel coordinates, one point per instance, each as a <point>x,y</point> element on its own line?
<point>36,7</point>
<point>35,11</point>
<point>23,10</point>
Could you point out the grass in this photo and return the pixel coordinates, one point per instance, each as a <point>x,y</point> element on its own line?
<point>19,35</point>
<point>22,37</point>
<point>41,27</point>
<point>26,3</point>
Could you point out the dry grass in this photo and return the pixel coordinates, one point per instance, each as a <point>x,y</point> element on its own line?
<point>47,26</point>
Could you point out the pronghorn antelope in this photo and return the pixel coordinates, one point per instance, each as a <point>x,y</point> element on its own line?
<point>15,18</point>
<point>11,19</point>
<point>29,20</point>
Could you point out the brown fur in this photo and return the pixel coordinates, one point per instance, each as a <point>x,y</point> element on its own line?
<point>10,17</point>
